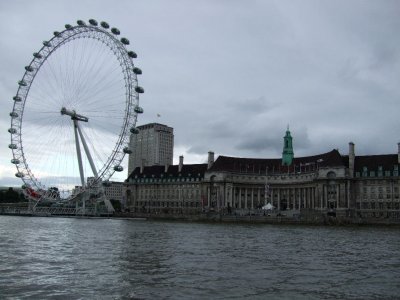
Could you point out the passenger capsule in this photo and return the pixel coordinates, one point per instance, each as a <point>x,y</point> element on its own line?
<point>17,98</point>
<point>12,130</point>
<point>13,114</point>
<point>115,31</point>
<point>125,41</point>
<point>68,26</point>
<point>19,174</point>
<point>104,25</point>
<point>22,83</point>
<point>127,150</point>
<point>15,161</point>
<point>137,71</point>
<point>29,69</point>
<point>132,54</point>
<point>138,110</point>
<point>81,23</point>
<point>37,55</point>
<point>12,146</point>
<point>56,33</point>
<point>139,89</point>
<point>46,44</point>
<point>134,130</point>
<point>93,22</point>
<point>118,168</point>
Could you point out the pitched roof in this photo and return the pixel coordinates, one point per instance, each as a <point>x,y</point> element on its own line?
<point>373,162</point>
<point>263,166</point>
<point>193,170</point>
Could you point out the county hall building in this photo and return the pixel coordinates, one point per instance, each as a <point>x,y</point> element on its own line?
<point>329,183</point>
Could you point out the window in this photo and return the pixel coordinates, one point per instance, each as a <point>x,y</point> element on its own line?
<point>365,172</point>
<point>331,174</point>
<point>380,191</point>
<point>380,171</point>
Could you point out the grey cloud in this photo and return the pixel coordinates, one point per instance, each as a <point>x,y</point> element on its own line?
<point>258,144</point>
<point>229,76</point>
<point>198,149</point>
<point>10,181</point>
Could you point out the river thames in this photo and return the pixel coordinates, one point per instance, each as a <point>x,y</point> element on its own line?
<point>71,258</point>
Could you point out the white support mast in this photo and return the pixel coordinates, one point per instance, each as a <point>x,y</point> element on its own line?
<point>78,152</point>
<point>78,133</point>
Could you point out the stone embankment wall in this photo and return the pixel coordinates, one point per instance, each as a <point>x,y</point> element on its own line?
<point>306,219</point>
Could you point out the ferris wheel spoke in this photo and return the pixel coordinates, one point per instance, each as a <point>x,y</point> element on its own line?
<point>102,87</point>
<point>94,70</point>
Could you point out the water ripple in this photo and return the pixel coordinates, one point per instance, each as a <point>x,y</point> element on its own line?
<point>68,258</point>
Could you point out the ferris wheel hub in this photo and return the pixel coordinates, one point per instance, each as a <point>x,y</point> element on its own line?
<point>74,115</point>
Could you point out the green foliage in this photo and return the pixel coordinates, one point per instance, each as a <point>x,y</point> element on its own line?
<point>116,204</point>
<point>10,196</point>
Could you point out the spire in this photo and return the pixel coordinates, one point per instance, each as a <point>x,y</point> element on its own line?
<point>287,154</point>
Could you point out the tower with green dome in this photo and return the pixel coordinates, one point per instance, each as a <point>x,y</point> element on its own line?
<point>287,154</point>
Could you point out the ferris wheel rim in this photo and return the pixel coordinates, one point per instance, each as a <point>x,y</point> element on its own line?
<point>132,90</point>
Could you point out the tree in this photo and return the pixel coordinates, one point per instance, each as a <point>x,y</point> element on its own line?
<point>9,196</point>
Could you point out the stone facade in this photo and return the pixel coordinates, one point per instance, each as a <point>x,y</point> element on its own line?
<point>330,183</point>
<point>376,186</point>
<point>317,182</point>
<point>114,191</point>
<point>176,189</point>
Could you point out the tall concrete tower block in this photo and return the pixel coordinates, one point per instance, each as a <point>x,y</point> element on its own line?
<point>287,154</point>
<point>153,145</point>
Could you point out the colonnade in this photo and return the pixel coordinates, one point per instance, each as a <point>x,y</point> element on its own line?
<point>320,196</point>
<point>293,197</point>
<point>219,195</point>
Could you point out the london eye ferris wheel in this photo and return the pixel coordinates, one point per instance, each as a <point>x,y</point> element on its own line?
<point>74,109</point>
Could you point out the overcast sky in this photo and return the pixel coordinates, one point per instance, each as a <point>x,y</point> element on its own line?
<point>229,76</point>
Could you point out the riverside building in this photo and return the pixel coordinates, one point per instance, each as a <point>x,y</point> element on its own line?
<point>114,190</point>
<point>329,183</point>
<point>174,189</point>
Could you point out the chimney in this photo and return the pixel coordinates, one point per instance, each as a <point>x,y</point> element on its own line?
<point>166,168</point>
<point>180,163</point>
<point>142,165</point>
<point>398,153</point>
<point>352,157</point>
<point>210,159</point>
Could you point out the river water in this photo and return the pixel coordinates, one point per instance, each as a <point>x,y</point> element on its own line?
<point>71,258</point>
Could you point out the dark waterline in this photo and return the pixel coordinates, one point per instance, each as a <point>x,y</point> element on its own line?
<point>68,258</point>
